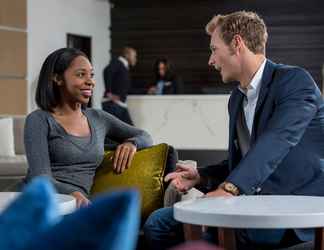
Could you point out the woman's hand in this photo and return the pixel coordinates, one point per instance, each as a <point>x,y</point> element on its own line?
<point>112,97</point>
<point>123,156</point>
<point>81,200</point>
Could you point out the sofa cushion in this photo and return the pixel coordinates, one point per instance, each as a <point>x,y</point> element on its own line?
<point>13,166</point>
<point>111,222</point>
<point>145,173</point>
<point>33,212</point>
<point>32,221</point>
<point>18,125</point>
<point>7,147</point>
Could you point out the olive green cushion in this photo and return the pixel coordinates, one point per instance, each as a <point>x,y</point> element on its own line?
<point>145,173</point>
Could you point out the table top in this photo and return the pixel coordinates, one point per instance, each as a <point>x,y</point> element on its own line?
<point>67,203</point>
<point>259,211</point>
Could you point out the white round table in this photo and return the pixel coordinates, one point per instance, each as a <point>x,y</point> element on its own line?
<point>254,212</point>
<point>67,203</point>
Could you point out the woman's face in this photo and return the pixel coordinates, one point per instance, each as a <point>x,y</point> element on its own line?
<point>78,83</point>
<point>162,69</point>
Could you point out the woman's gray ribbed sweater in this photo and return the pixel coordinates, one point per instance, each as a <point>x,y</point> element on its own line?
<point>71,161</point>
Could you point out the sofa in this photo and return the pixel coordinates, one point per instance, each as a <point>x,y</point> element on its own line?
<point>14,168</point>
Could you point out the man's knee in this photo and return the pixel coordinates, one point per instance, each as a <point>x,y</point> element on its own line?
<point>159,220</point>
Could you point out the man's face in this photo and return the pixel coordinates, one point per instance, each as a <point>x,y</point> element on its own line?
<point>223,58</point>
<point>132,58</point>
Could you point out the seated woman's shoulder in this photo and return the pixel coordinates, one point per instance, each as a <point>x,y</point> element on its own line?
<point>37,118</point>
<point>99,115</point>
<point>95,113</point>
<point>37,113</point>
<point>92,111</point>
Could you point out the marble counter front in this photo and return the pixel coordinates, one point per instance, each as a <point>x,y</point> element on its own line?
<point>184,121</point>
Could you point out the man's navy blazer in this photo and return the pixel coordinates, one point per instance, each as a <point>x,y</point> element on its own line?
<point>286,153</point>
<point>117,79</point>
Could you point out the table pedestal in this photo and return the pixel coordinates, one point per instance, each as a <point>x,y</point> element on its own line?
<point>319,239</point>
<point>226,236</point>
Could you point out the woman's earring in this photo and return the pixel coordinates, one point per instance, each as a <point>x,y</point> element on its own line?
<point>58,82</point>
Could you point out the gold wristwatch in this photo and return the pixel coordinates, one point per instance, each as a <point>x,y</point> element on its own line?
<point>230,188</point>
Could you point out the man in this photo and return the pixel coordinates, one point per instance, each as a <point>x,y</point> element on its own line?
<point>276,136</point>
<point>118,84</point>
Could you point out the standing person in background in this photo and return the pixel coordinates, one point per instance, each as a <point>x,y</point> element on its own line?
<point>166,81</point>
<point>118,84</point>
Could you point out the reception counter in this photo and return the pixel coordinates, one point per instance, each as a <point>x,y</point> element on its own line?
<point>198,122</point>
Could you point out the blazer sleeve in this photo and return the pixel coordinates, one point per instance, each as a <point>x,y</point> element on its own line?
<point>295,107</point>
<point>107,75</point>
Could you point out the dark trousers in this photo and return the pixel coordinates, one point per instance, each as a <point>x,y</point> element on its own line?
<point>120,112</point>
<point>162,232</point>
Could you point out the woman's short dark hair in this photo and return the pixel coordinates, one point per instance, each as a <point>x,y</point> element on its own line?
<point>54,66</point>
<point>169,74</point>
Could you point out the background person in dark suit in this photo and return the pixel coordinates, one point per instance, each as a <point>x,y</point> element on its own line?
<point>166,82</point>
<point>118,84</point>
<point>276,136</point>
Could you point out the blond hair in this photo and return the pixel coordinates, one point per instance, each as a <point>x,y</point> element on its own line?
<point>246,24</point>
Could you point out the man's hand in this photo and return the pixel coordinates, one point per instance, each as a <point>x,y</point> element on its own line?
<point>183,178</point>
<point>219,192</point>
<point>123,157</point>
<point>112,97</point>
<point>81,200</point>
<point>152,90</point>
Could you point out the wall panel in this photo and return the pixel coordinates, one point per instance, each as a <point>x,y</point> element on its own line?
<point>13,56</point>
<point>13,51</point>
<point>175,29</point>
<point>13,13</point>
<point>13,96</point>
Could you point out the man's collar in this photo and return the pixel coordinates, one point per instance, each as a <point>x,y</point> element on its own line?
<point>124,61</point>
<point>256,80</point>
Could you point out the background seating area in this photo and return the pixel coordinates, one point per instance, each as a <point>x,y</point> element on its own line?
<point>13,168</point>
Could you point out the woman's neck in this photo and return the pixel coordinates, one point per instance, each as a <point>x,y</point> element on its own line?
<point>66,109</point>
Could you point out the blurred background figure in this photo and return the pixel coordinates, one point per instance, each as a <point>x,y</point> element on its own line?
<point>166,81</point>
<point>118,83</point>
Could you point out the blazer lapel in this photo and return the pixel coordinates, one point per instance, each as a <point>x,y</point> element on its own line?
<point>266,80</point>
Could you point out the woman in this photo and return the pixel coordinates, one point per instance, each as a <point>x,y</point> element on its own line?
<point>166,82</point>
<point>63,139</point>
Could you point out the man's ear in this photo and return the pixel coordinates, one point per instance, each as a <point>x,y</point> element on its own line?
<point>237,43</point>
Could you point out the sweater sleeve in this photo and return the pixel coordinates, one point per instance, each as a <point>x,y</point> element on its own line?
<point>37,152</point>
<point>121,132</point>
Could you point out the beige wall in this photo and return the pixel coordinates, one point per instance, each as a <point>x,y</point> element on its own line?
<point>13,56</point>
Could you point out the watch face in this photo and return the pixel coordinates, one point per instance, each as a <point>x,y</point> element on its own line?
<point>229,187</point>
